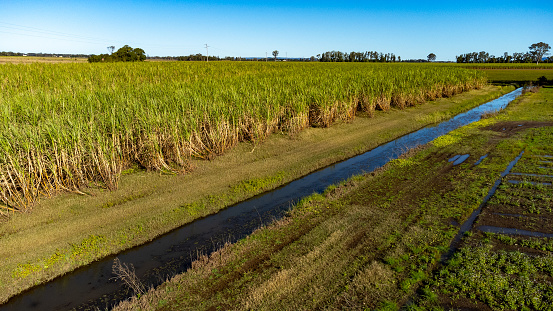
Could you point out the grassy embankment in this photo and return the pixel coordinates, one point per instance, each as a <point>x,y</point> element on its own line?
<point>371,242</point>
<point>70,230</point>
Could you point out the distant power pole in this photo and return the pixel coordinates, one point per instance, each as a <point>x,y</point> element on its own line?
<point>265,56</point>
<point>207,52</point>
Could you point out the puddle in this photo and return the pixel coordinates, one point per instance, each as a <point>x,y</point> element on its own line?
<point>519,215</point>
<point>510,215</point>
<point>458,159</point>
<point>533,175</point>
<point>516,182</point>
<point>513,231</point>
<point>481,159</point>
<point>92,287</point>
<point>454,223</point>
<point>467,225</point>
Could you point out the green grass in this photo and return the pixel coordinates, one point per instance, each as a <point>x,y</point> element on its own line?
<point>520,76</point>
<point>498,271</point>
<point>499,279</point>
<point>508,66</point>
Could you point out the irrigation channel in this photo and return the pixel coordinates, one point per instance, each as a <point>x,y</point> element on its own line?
<point>93,286</point>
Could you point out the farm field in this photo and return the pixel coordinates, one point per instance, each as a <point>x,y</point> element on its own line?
<point>34,59</point>
<point>65,126</point>
<point>377,240</point>
<point>518,76</point>
<point>525,66</point>
<point>70,223</point>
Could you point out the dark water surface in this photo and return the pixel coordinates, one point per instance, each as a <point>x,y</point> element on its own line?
<point>514,231</point>
<point>93,286</point>
<point>467,225</point>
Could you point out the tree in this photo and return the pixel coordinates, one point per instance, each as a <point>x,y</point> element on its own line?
<point>539,50</point>
<point>128,54</point>
<point>275,54</point>
<point>483,57</point>
<point>111,48</point>
<point>124,54</point>
<point>431,57</point>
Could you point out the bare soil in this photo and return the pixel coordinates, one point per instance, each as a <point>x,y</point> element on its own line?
<point>509,128</point>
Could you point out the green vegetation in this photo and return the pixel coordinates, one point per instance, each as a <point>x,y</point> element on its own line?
<point>507,66</point>
<point>376,237</point>
<point>148,203</point>
<point>124,54</point>
<point>515,73</point>
<point>536,53</point>
<point>373,242</point>
<point>368,56</point>
<point>498,279</point>
<point>499,271</point>
<point>66,126</point>
<point>345,225</point>
<point>521,76</point>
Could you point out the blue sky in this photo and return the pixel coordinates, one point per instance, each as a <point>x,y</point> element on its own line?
<point>410,29</point>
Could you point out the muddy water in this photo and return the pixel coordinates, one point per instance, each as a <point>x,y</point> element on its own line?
<point>529,182</point>
<point>481,159</point>
<point>467,225</point>
<point>93,286</point>
<point>514,231</point>
<point>458,159</point>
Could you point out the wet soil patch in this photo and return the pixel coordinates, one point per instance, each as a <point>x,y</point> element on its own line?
<point>514,214</point>
<point>519,248</point>
<point>479,239</point>
<point>521,206</point>
<point>522,210</point>
<point>462,304</point>
<point>510,128</point>
<point>534,223</point>
<point>535,165</point>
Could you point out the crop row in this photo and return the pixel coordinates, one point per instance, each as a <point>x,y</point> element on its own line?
<point>63,126</point>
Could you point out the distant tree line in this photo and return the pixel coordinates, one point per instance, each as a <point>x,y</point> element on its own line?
<point>485,57</point>
<point>201,57</point>
<point>196,57</point>
<point>124,54</point>
<point>369,56</point>
<point>536,53</point>
<point>10,54</point>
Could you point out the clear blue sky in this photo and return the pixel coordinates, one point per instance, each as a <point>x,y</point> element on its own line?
<point>410,29</point>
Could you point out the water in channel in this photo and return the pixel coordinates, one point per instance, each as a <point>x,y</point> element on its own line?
<point>93,287</point>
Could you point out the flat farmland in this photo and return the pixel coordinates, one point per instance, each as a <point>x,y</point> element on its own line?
<point>384,240</point>
<point>54,194</point>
